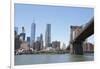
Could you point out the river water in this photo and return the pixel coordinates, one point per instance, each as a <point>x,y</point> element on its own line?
<point>51,58</point>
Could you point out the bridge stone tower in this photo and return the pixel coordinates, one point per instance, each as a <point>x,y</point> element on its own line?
<point>76,47</point>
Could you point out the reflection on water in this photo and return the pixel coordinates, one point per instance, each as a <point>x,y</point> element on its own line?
<point>48,58</point>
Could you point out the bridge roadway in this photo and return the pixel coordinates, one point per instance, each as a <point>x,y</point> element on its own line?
<point>87,31</point>
<point>77,43</point>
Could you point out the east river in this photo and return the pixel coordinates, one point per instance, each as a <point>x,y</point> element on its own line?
<point>51,58</point>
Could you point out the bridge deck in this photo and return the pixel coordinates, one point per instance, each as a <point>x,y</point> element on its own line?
<point>86,32</point>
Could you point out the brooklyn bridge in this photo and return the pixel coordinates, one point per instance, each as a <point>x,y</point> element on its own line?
<point>78,34</point>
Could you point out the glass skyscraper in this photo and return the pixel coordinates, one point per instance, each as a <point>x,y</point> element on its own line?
<point>23,34</point>
<point>48,36</point>
<point>33,30</point>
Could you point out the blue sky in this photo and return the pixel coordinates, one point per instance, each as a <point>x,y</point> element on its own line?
<point>60,18</point>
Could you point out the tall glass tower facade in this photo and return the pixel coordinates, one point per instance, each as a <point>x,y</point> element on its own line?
<point>48,36</point>
<point>33,31</point>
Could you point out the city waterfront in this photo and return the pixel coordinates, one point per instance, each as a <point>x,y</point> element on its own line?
<point>59,35</point>
<point>51,58</point>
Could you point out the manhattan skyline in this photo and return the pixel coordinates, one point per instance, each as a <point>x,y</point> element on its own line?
<point>60,18</point>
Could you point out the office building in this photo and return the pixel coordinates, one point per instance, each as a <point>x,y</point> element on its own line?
<point>33,31</point>
<point>22,35</point>
<point>48,36</point>
<point>56,45</point>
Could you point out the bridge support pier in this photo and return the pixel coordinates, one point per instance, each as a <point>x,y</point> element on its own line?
<point>77,48</point>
